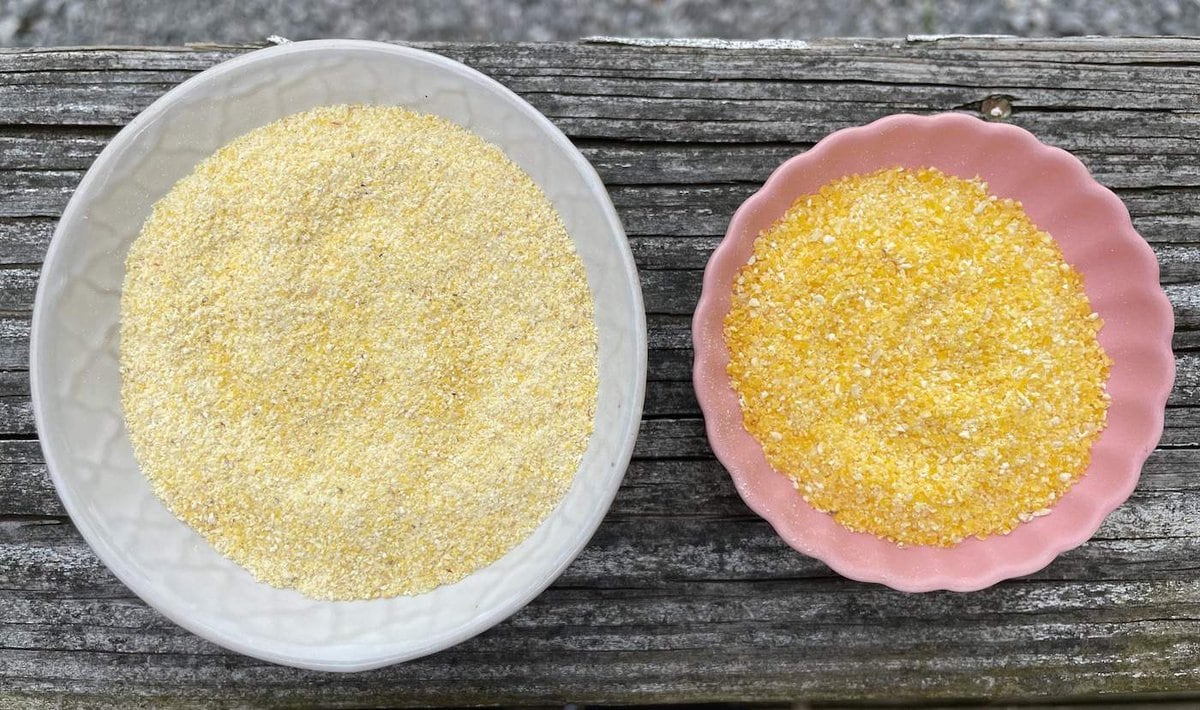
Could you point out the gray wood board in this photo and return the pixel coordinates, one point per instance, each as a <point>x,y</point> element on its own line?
<point>683,595</point>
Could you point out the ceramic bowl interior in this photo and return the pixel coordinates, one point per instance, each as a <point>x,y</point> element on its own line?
<point>75,377</point>
<point>1093,229</point>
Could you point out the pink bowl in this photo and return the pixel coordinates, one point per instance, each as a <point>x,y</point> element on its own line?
<point>1092,227</point>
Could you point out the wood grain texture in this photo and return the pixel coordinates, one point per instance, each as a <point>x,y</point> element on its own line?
<point>683,594</point>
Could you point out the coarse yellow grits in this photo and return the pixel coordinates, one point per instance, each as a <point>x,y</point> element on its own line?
<point>358,352</point>
<point>918,357</point>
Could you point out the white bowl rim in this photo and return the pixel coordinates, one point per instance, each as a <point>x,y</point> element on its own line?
<point>145,590</point>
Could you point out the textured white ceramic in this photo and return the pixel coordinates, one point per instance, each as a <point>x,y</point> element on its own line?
<point>76,381</point>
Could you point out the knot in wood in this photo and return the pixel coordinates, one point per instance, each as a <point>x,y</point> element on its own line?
<point>996,108</point>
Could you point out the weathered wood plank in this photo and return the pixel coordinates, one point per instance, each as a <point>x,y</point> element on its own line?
<point>675,291</point>
<point>33,197</point>
<point>14,341</point>
<point>669,391</point>
<point>693,487</point>
<point>25,240</point>
<point>608,623</point>
<point>648,552</point>
<point>764,671</point>
<point>864,63</point>
<point>1120,161</point>
<point>708,603</point>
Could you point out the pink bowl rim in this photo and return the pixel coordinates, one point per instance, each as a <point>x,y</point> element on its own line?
<point>715,394</point>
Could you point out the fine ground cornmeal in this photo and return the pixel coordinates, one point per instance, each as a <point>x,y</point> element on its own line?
<point>918,357</point>
<point>358,352</point>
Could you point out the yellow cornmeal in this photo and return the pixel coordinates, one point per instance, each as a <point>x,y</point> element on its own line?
<point>918,357</point>
<point>358,353</point>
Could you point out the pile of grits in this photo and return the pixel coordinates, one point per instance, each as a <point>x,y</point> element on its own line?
<point>358,352</point>
<point>918,357</point>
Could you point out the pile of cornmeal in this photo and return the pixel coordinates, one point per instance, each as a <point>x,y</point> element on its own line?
<point>358,352</point>
<point>918,357</point>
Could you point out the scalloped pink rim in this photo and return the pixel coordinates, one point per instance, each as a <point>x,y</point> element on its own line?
<point>1093,228</point>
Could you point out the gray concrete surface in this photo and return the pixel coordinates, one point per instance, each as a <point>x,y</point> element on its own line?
<point>75,22</point>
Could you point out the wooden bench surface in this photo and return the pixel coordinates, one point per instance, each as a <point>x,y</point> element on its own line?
<point>683,594</point>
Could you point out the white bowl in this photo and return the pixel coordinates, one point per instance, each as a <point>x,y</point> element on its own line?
<point>76,382</point>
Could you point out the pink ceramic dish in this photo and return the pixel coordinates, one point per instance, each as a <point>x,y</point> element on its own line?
<point>1120,272</point>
